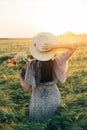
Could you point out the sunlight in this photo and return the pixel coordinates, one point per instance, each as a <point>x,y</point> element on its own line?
<point>58,18</point>
<point>27,18</point>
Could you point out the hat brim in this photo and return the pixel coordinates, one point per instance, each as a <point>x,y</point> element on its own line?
<point>42,56</point>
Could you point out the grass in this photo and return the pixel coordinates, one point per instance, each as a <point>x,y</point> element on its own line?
<point>14,102</point>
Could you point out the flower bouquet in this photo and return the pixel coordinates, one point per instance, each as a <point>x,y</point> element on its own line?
<point>20,62</point>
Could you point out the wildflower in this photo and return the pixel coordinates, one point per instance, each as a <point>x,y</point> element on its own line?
<point>20,62</point>
<point>14,63</point>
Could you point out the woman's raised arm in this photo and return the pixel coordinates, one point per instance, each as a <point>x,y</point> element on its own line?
<point>72,46</point>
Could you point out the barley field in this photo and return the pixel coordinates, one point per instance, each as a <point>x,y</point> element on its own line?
<point>14,102</point>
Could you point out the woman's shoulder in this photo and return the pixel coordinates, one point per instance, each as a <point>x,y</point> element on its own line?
<point>31,61</point>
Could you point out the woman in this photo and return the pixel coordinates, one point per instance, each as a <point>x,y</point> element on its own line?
<point>42,74</point>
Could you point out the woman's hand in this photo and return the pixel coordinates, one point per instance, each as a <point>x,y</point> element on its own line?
<point>25,86</point>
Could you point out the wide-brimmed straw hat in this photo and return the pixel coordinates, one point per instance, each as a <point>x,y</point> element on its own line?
<point>38,42</point>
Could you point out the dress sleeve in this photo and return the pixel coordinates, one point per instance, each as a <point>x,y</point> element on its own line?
<point>61,66</point>
<point>30,74</point>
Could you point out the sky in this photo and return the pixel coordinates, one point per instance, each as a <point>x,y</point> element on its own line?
<point>26,18</point>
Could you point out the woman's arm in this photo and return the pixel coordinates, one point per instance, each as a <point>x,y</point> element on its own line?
<point>25,86</point>
<point>72,46</point>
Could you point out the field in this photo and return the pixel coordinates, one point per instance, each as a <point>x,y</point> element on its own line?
<point>14,102</point>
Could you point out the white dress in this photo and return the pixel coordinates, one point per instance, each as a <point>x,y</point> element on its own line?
<point>46,98</point>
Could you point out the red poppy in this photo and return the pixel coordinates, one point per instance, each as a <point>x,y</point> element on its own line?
<point>14,62</point>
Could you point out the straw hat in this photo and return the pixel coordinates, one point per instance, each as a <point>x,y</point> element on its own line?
<point>37,43</point>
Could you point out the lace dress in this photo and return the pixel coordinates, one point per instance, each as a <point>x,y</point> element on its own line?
<point>46,98</point>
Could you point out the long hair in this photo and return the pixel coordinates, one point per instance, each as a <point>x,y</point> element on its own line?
<point>44,71</point>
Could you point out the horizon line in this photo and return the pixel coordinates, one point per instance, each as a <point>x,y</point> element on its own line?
<point>21,37</point>
<point>68,32</point>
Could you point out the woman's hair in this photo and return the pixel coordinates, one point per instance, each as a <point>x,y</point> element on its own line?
<point>44,71</point>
